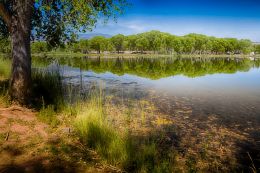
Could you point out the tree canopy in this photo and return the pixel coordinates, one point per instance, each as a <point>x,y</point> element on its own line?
<point>58,21</point>
<point>54,21</point>
<point>165,43</point>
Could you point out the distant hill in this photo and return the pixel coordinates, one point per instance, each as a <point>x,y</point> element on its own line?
<point>91,35</point>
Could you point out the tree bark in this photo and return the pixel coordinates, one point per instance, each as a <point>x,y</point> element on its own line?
<point>20,81</point>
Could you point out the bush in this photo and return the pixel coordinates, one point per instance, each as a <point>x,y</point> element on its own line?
<point>39,47</point>
<point>5,45</point>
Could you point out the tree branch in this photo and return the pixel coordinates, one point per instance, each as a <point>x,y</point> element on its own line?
<point>6,16</point>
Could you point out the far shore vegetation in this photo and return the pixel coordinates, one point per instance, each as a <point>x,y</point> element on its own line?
<point>148,43</point>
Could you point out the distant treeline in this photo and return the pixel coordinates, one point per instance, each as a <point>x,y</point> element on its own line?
<point>150,42</point>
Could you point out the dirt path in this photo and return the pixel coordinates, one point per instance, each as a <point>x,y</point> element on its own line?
<point>28,145</point>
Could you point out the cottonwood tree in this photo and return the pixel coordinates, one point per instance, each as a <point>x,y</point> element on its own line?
<point>52,20</point>
<point>98,44</point>
<point>118,42</point>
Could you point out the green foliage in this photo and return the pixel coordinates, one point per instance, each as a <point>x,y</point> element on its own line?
<point>39,47</point>
<point>95,132</point>
<point>118,42</point>
<point>48,115</point>
<point>142,44</point>
<point>98,43</point>
<point>82,46</point>
<point>189,44</point>
<point>120,149</point>
<point>257,48</point>
<point>156,68</point>
<point>47,89</point>
<point>245,46</point>
<point>163,43</point>
<point>4,97</point>
<point>57,21</point>
<point>5,45</point>
<point>5,68</point>
<point>144,155</point>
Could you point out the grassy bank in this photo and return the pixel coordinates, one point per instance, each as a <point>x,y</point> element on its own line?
<point>92,122</point>
<point>120,144</point>
<point>126,135</point>
<point>117,144</point>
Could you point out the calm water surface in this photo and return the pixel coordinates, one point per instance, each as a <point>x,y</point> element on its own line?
<point>212,101</point>
<point>223,87</point>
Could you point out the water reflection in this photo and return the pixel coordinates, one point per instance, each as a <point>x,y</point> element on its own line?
<point>227,87</point>
<point>198,94</point>
<point>156,68</point>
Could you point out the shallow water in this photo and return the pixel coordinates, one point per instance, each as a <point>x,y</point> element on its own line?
<point>221,86</point>
<point>226,88</point>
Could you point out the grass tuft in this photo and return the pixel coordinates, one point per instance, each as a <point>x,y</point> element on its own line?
<point>47,89</point>
<point>119,148</point>
<point>95,132</point>
<point>48,115</point>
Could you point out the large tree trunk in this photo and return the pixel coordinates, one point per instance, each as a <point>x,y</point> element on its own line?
<point>20,82</point>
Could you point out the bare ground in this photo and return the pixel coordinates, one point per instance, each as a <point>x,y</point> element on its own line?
<point>28,145</point>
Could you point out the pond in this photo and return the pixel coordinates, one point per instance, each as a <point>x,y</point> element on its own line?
<point>200,93</point>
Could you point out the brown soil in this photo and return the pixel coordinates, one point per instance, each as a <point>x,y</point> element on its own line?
<point>28,145</point>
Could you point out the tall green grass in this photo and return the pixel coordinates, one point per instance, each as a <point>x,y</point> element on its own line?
<point>97,133</point>
<point>5,68</point>
<point>120,148</point>
<point>47,89</point>
<point>93,126</point>
<point>4,97</point>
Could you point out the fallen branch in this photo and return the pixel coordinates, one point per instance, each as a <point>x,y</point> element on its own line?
<point>7,136</point>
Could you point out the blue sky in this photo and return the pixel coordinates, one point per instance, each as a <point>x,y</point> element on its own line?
<point>221,18</point>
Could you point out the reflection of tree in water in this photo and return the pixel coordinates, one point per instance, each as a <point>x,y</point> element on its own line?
<point>216,138</point>
<point>156,68</point>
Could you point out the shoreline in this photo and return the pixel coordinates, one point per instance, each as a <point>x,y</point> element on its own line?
<point>66,54</point>
<point>58,54</point>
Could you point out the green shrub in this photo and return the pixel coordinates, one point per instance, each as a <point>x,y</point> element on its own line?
<point>5,45</point>
<point>39,47</point>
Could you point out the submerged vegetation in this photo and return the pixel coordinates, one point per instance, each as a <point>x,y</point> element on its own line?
<point>120,147</point>
<point>133,135</point>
